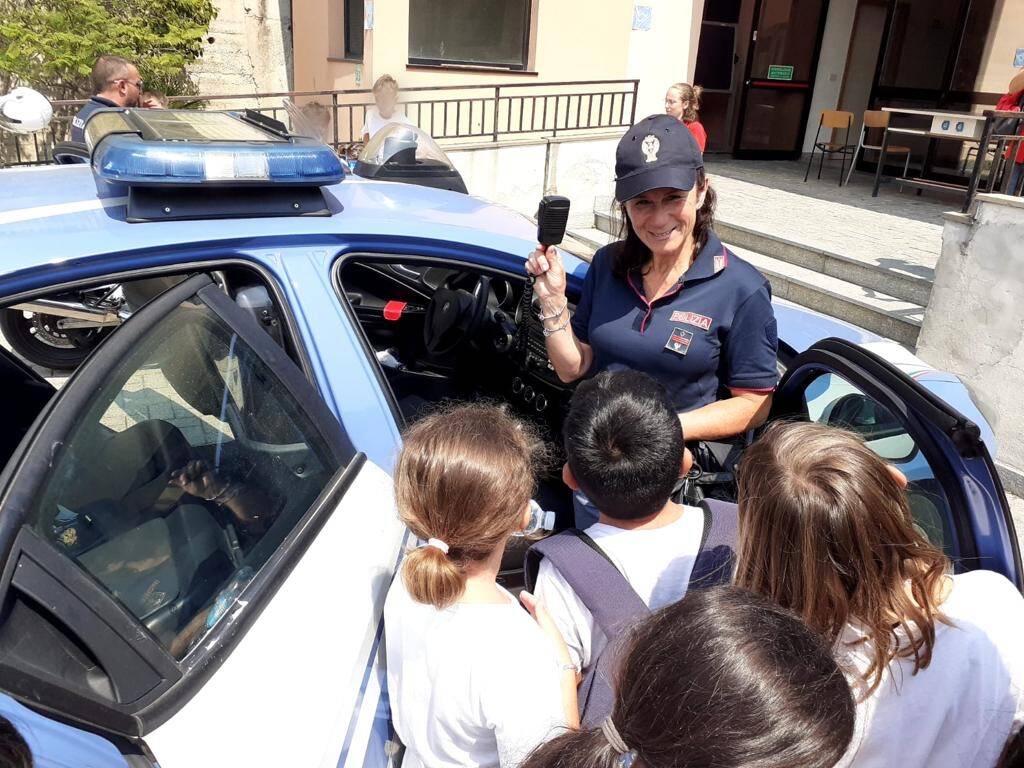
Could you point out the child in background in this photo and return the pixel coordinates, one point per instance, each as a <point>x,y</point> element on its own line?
<point>473,679</point>
<point>318,118</point>
<point>682,101</point>
<point>153,100</point>
<point>385,111</point>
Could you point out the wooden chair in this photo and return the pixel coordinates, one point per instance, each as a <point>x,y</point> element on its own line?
<point>876,118</point>
<point>832,120</point>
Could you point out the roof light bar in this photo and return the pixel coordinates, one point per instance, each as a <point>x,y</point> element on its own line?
<point>126,158</point>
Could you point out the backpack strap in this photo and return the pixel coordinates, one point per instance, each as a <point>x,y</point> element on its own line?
<point>593,577</point>
<point>716,556</point>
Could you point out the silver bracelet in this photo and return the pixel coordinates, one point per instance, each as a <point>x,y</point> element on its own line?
<point>565,306</point>
<point>553,331</point>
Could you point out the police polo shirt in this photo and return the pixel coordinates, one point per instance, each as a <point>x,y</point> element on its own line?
<point>715,329</point>
<point>78,121</point>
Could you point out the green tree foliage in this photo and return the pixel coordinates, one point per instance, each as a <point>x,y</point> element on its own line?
<point>51,45</point>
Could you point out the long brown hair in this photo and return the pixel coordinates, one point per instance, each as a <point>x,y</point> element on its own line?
<point>826,531</point>
<point>631,252</point>
<point>689,95</point>
<point>724,678</point>
<point>464,476</point>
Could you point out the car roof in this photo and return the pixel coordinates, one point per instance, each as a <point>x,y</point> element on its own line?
<point>53,214</point>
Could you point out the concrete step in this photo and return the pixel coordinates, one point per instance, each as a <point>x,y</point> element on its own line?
<point>890,281</point>
<point>888,316</point>
<point>590,238</point>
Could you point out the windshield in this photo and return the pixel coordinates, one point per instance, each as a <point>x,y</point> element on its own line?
<point>399,144</point>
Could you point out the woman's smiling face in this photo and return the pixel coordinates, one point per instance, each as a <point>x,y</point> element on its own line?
<point>663,218</point>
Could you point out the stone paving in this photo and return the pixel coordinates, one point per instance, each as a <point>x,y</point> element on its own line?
<point>896,230</point>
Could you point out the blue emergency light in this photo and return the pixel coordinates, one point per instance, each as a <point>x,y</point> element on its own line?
<point>128,159</point>
<point>180,164</point>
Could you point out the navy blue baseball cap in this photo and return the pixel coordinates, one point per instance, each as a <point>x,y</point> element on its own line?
<point>659,151</point>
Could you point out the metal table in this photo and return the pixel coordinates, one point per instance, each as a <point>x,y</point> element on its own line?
<point>949,126</point>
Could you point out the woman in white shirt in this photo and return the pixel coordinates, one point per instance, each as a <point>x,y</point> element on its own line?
<point>936,660</point>
<point>473,679</point>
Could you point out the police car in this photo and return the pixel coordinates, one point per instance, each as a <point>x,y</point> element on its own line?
<point>197,530</point>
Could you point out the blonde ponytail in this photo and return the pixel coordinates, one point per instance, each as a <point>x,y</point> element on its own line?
<point>462,480</point>
<point>689,95</point>
<point>433,577</point>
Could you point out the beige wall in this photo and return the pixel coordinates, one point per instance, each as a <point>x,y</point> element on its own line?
<point>574,40</point>
<point>1004,38</point>
<point>666,53</point>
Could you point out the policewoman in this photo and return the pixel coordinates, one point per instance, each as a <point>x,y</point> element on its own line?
<point>669,299</point>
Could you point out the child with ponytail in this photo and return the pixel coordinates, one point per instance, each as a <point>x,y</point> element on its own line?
<point>473,679</point>
<point>682,101</point>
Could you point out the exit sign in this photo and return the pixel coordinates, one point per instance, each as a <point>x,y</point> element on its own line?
<point>780,72</point>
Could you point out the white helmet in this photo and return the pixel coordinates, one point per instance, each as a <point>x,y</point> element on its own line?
<point>24,111</point>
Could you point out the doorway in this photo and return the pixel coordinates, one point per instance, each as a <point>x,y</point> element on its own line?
<point>779,82</point>
<point>756,61</point>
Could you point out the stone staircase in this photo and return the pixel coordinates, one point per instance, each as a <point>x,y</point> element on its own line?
<point>886,300</point>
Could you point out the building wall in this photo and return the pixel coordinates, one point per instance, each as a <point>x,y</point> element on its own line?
<point>251,49</point>
<point>974,323</point>
<point>835,44</point>
<point>666,53</point>
<point>1005,36</point>
<point>572,42</point>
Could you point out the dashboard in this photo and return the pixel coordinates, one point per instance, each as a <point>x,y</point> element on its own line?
<point>505,353</point>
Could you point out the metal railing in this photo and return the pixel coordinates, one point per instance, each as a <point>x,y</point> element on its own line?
<point>482,112</point>
<point>997,153</point>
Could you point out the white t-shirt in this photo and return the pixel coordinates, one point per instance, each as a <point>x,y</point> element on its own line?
<point>961,709</point>
<point>657,562</point>
<point>473,684</point>
<point>374,122</point>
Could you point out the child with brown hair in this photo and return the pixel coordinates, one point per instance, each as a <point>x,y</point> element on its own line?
<point>473,679</point>
<point>934,658</point>
<point>682,101</point>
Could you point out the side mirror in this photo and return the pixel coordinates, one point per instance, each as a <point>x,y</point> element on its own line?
<point>24,110</point>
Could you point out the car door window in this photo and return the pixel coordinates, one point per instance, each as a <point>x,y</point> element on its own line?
<point>188,467</point>
<point>831,399</point>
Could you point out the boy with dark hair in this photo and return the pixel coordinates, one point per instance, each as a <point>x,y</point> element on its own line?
<point>625,451</point>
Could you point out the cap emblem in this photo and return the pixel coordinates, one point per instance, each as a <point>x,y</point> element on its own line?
<point>650,147</point>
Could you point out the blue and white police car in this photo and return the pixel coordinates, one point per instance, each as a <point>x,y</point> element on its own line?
<point>197,530</point>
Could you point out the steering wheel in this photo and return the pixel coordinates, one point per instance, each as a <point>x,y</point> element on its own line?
<point>454,315</point>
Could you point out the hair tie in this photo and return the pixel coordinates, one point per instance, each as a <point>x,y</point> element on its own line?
<point>627,757</point>
<point>437,544</point>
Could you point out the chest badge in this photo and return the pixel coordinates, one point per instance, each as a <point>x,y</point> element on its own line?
<point>691,318</point>
<point>679,341</point>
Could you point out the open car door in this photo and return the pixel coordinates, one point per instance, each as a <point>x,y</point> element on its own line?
<point>194,559</point>
<point>955,494</point>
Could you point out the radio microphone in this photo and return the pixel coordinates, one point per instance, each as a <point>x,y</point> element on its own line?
<point>552,218</point>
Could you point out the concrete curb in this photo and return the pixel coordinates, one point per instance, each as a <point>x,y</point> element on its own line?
<point>900,285</point>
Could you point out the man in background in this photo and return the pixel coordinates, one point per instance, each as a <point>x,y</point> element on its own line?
<point>115,83</point>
